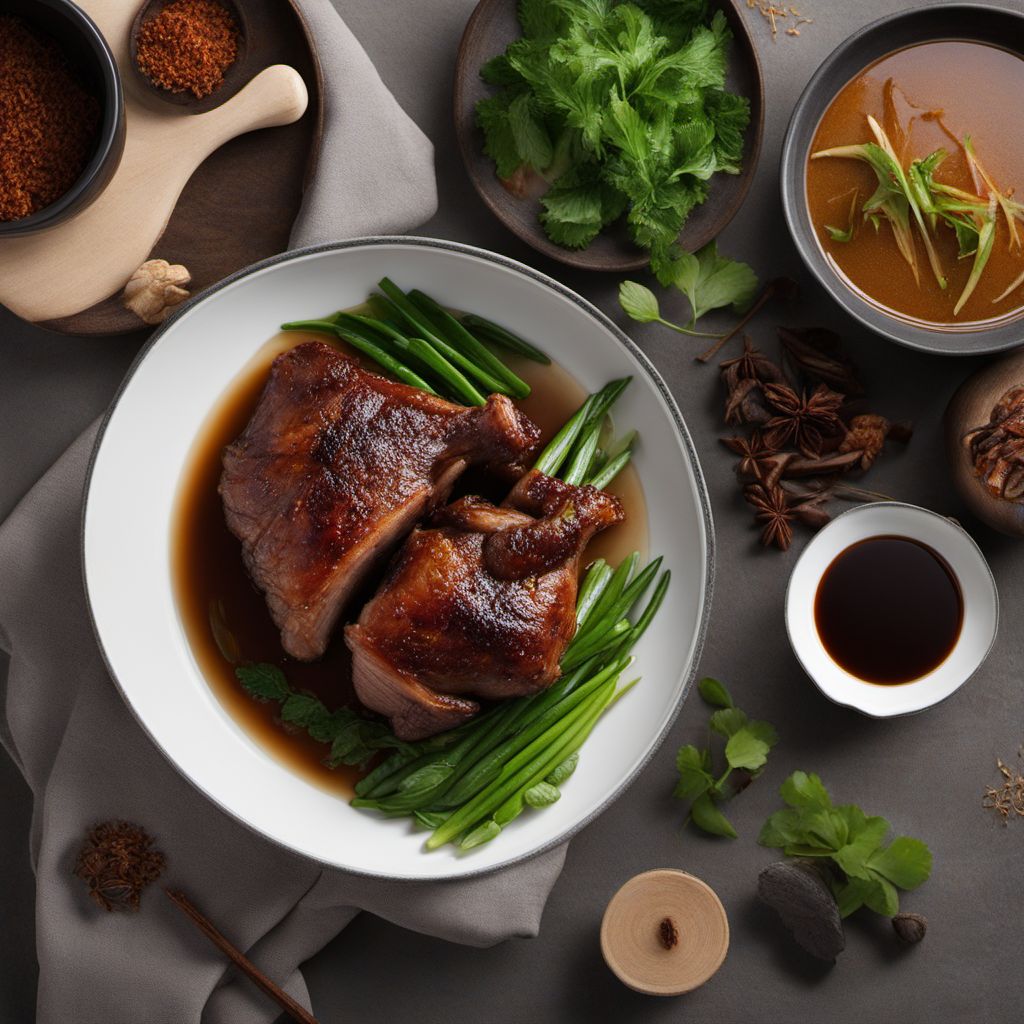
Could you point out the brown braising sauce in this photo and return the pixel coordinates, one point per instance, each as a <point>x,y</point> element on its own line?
<point>889,609</point>
<point>225,617</point>
<point>926,97</point>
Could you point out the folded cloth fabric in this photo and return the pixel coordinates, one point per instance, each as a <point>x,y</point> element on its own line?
<point>87,760</point>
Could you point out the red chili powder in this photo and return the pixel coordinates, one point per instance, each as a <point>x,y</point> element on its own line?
<point>48,121</point>
<point>188,46</point>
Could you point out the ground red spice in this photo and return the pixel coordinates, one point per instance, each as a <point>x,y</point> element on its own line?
<point>48,121</point>
<point>188,46</point>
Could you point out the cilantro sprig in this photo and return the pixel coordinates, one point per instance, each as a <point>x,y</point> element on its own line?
<point>353,740</point>
<point>747,744</point>
<point>622,107</point>
<point>867,871</point>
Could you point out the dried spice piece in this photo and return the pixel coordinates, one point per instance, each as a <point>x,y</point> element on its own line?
<point>817,355</point>
<point>771,510</point>
<point>1008,799</point>
<point>774,13</point>
<point>800,420</point>
<point>48,121</point>
<point>827,465</point>
<point>751,364</point>
<point>753,453</point>
<point>745,403</point>
<point>910,928</point>
<point>668,933</point>
<point>866,434</point>
<point>117,861</point>
<point>998,447</point>
<point>187,46</point>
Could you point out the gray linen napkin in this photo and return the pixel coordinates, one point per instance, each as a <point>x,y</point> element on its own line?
<point>86,759</point>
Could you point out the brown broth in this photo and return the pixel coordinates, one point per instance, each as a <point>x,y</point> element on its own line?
<point>214,591</point>
<point>888,609</point>
<point>975,86</point>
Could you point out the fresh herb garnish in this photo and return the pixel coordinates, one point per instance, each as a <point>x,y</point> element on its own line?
<point>622,108</point>
<point>746,752</point>
<point>708,281</point>
<point>353,740</point>
<point>867,871</point>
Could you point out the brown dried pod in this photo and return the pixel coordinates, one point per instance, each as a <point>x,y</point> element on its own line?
<point>817,355</point>
<point>867,435</point>
<point>753,364</point>
<point>745,404</point>
<point>910,927</point>
<point>772,514</point>
<point>826,465</point>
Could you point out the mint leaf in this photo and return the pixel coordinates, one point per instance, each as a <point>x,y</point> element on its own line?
<point>564,770</point>
<point>541,795</point>
<point>803,790</point>
<point>640,304</point>
<point>707,816</point>
<point>693,777</point>
<point>748,747</point>
<point>905,862</point>
<point>711,281</point>
<point>853,857</point>
<point>263,682</point>
<point>713,692</point>
<point>783,828</point>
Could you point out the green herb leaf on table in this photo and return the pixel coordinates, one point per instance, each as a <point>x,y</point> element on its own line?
<point>866,871</point>
<point>711,281</point>
<point>746,751</point>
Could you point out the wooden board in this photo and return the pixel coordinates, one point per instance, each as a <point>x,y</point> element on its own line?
<point>238,206</point>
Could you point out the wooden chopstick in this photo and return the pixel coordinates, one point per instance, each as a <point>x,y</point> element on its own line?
<point>243,963</point>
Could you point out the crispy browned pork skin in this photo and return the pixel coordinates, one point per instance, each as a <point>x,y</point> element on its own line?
<point>482,605</point>
<point>333,470</point>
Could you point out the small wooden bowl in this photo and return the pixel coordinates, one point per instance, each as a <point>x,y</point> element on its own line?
<point>491,27</point>
<point>631,933</point>
<point>235,77</point>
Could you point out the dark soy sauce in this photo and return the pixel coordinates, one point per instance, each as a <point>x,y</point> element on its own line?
<point>889,609</point>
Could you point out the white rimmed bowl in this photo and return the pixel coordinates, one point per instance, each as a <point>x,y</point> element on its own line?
<point>977,633</point>
<point>127,523</point>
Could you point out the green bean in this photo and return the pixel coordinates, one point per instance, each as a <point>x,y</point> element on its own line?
<point>582,457</point>
<point>487,330</point>
<point>490,798</point>
<point>458,337</point>
<point>557,451</point>
<point>596,579</point>
<point>396,300</point>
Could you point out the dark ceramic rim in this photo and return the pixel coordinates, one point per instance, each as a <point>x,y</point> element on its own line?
<point>689,670</point>
<point>110,136</point>
<point>983,561</point>
<point>916,25</point>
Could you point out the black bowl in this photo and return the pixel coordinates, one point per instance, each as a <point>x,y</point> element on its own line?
<point>984,24</point>
<point>90,56</point>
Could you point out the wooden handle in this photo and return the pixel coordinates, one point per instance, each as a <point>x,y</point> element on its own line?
<point>68,268</point>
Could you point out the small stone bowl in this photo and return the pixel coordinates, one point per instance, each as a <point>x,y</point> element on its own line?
<point>980,600</point>
<point>89,54</point>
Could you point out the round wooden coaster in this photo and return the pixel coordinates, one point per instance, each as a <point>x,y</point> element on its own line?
<point>646,914</point>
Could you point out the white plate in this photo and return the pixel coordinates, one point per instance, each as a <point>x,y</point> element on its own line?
<point>127,521</point>
<point>964,557</point>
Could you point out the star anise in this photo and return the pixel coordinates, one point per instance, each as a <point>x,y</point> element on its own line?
<point>752,452</point>
<point>751,364</point>
<point>745,403</point>
<point>801,421</point>
<point>867,435</point>
<point>772,512</point>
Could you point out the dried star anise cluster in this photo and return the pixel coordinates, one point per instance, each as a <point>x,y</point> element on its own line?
<point>117,862</point>
<point>802,423</point>
<point>998,447</point>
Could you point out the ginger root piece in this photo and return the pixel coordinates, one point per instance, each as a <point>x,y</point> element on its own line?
<point>155,289</point>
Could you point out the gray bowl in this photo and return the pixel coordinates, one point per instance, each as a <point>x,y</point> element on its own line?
<point>88,53</point>
<point>985,24</point>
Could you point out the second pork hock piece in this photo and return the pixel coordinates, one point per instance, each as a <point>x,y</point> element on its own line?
<point>333,470</point>
<point>483,605</point>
